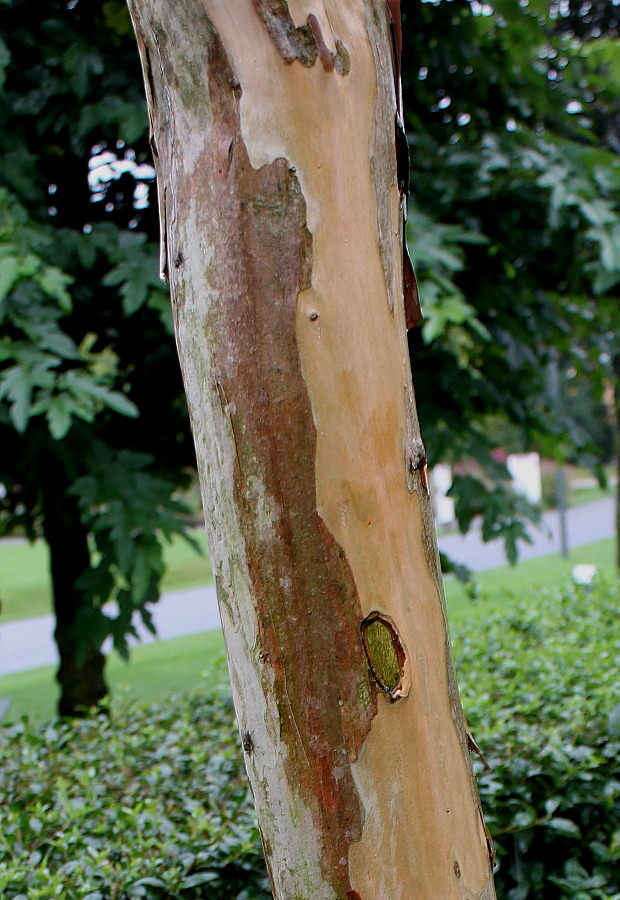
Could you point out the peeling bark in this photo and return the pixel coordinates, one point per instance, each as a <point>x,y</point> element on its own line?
<point>273,135</point>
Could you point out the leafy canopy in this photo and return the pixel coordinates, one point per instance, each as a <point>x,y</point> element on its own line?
<point>91,403</point>
<point>514,227</point>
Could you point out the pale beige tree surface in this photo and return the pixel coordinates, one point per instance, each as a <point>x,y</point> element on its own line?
<point>273,137</point>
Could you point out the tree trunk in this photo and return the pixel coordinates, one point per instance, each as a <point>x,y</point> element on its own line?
<point>273,137</point>
<point>81,671</point>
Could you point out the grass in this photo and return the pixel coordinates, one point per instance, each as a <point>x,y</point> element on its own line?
<point>25,588</point>
<point>501,586</point>
<point>579,496</point>
<point>158,669</point>
<point>154,671</point>
<point>580,484</point>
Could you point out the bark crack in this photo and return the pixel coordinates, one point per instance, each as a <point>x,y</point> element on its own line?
<point>228,414</point>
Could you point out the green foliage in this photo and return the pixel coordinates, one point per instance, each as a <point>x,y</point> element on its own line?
<point>439,255</point>
<point>155,671</point>
<point>154,802</point>
<point>135,273</point>
<point>130,513</point>
<point>43,371</point>
<point>25,589</point>
<point>514,227</point>
<point>501,513</point>
<point>541,692</point>
<point>91,402</point>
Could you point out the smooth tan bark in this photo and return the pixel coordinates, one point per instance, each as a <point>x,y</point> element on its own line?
<point>273,137</point>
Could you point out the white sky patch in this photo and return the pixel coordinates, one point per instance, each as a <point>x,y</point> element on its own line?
<point>105,167</point>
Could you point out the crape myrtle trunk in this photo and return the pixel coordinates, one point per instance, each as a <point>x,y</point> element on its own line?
<point>273,135</point>
<point>80,674</point>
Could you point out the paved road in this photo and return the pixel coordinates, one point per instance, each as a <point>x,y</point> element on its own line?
<point>585,524</point>
<point>29,643</point>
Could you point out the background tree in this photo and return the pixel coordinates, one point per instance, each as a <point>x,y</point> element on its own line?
<point>513,226</point>
<point>92,419</point>
<point>515,247</point>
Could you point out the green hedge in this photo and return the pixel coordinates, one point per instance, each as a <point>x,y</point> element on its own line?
<point>541,689</point>
<point>155,804</point>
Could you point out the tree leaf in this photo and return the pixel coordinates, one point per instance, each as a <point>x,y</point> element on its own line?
<point>59,416</point>
<point>5,58</point>
<point>55,282</point>
<point>192,881</point>
<point>120,403</point>
<point>10,270</point>
<point>16,385</point>
<point>565,827</point>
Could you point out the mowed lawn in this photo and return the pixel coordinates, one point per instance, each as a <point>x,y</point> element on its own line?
<point>507,584</point>
<point>153,672</point>
<point>159,669</point>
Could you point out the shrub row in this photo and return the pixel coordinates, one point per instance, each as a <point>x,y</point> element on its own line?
<point>155,804</point>
<point>541,690</point>
<point>152,804</point>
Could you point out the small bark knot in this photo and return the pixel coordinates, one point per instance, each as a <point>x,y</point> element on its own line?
<point>386,655</point>
<point>418,462</point>
<point>418,455</point>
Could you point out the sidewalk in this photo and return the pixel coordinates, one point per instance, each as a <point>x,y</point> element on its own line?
<point>29,643</point>
<point>584,525</point>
